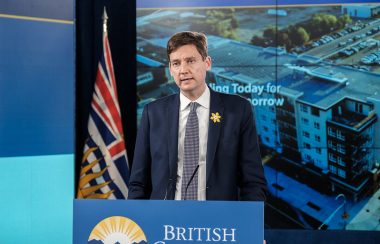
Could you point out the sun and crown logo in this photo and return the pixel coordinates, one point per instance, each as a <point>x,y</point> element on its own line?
<point>117,230</point>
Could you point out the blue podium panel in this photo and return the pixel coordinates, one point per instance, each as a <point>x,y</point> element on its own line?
<point>162,222</point>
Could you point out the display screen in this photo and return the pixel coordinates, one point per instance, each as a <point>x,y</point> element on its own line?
<point>312,74</point>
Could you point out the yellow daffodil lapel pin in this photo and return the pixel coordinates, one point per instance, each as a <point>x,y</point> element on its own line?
<point>215,117</point>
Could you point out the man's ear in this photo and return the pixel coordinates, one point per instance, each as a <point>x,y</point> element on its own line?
<point>208,62</point>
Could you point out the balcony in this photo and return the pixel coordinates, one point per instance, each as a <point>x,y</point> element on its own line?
<point>289,130</point>
<point>287,106</point>
<point>286,118</point>
<point>355,121</point>
<point>358,140</point>
<point>287,141</point>
<point>358,153</point>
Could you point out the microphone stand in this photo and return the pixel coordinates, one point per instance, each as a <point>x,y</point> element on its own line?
<point>191,179</point>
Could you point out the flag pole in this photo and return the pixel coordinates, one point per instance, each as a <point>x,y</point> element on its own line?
<point>105,19</point>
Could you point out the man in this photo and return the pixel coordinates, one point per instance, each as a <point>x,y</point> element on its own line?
<point>199,144</point>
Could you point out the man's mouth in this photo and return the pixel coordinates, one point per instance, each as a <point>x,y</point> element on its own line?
<point>186,79</point>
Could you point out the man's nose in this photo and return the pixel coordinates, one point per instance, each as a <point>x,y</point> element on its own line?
<point>184,68</point>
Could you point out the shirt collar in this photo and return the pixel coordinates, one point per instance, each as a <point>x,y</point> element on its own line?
<point>203,100</point>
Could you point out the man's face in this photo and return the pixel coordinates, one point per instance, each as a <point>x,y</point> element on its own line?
<point>189,70</point>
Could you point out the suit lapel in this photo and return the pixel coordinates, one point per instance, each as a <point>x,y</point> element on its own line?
<point>172,113</point>
<point>214,129</point>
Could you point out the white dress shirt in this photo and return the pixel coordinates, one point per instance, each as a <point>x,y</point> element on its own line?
<point>203,112</point>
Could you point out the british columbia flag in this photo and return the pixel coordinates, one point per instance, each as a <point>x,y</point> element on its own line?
<point>104,171</point>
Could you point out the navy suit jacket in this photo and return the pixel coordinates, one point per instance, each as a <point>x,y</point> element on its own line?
<point>233,164</point>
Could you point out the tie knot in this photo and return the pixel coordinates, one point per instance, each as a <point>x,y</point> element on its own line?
<point>193,106</point>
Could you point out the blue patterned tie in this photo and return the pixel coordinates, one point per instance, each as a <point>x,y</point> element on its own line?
<point>191,156</point>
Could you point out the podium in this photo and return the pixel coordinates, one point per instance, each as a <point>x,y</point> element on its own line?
<point>164,222</point>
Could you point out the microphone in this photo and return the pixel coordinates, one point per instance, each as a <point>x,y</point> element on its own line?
<point>191,179</point>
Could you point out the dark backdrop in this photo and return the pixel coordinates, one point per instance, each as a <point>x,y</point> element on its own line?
<point>122,39</point>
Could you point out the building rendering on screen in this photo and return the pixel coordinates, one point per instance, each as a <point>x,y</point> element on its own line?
<point>316,108</point>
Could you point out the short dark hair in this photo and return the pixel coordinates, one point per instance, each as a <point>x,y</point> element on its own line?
<point>199,40</point>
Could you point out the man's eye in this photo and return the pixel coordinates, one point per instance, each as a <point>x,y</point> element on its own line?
<point>175,64</point>
<point>191,61</point>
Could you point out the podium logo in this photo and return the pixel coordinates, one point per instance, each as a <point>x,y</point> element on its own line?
<point>117,230</point>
